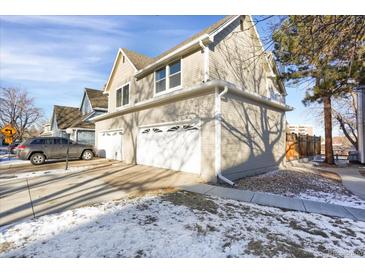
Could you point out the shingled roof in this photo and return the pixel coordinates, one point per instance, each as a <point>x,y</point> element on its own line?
<point>66,116</point>
<point>80,123</point>
<point>97,98</point>
<point>141,61</point>
<point>207,30</point>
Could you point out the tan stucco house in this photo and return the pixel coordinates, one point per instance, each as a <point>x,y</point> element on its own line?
<point>212,105</point>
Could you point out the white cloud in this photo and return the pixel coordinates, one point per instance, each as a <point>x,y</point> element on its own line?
<point>35,67</point>
<point>95,23</point>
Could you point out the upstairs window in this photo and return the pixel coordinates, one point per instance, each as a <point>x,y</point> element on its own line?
<point>175,74</point>
<point>122,96</point>
<point>160,80</point>
<point>119,97</point>
<point>168,77</point>
<point>126,95</point>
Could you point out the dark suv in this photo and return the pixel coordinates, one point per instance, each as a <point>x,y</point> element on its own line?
<point>37,150</point>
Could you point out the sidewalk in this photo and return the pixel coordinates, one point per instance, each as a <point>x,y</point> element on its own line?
<point>351,179</point>
<point>350,176</point>
<point>279,201</point>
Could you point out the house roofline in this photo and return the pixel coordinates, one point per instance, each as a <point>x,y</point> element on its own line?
<point>194,91</point>
<point>206,38</point>
<point>120,50</point>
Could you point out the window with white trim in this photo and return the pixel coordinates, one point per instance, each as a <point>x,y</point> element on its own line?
<point>119,97</point>
<point>168,77</point>
<point>122,96</point>
<point>160,79</point>
<point>175,74</point>
<point>125,95</point>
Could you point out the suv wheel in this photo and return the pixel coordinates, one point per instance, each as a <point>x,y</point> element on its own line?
<point>87,155</point>
<point>37,159</point>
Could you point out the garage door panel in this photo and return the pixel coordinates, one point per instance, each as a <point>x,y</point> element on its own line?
<point>166,147</point>
<point>110,145</point>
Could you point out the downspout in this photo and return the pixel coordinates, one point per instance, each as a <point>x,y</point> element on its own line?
<point>218,136</point>
<point>206,60</point>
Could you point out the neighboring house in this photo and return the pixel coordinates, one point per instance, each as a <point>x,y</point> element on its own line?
<point>301,129</point>
<point>341,146</point>
<point>46,131</point>
<point>212,105</point>
<point>93,103</point>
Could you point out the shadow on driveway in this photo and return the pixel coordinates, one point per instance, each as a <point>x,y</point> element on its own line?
<point>55,193</point>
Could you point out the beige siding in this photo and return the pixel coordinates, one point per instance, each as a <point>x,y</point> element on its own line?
<point>123,73</point>
<point>193,69</point>
<point>236,56</point>
<point>199,107</point>
<point>143,89</point>
<point>253,137</point>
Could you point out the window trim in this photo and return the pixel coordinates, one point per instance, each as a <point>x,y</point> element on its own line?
<point>167,67</point>
<point>155,81</point>
<point>129,96</point>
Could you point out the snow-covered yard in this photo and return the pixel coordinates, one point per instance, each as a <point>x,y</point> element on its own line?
<point>303,183</point>
<point>182,224</point>
<point>6,158</point>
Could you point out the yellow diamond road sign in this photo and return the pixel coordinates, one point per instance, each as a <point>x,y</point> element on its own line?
<point>8,131</point>
<point>8,140</point>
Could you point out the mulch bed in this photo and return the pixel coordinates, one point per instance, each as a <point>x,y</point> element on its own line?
<point>295,181</point>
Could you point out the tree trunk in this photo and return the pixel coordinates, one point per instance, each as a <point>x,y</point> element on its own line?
<point>328,130</point>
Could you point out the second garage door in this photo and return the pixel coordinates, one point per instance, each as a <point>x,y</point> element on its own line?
<point>174,147</point>
<point>110,145</point>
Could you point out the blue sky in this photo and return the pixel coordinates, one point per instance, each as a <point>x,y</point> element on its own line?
<point>55,57</point>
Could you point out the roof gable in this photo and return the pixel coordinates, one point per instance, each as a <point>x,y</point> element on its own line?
<point>116,62</point>
<point>65,116</point>
<point>142,62</point>
<point>96,98</point>
<point>137,59</point>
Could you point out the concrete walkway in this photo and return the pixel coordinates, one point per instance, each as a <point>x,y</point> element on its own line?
<point>351,179</point>
<point>279,201</point>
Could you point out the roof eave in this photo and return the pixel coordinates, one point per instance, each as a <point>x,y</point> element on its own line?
<point>192,92</point>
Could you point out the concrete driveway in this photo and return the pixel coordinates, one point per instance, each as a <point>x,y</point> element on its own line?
<point>101,181</point>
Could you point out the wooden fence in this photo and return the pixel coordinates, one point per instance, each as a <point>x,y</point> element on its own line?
<point>302,146</point>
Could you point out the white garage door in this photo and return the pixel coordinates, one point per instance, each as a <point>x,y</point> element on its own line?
<point>174,147</point>
<point>110,145</point>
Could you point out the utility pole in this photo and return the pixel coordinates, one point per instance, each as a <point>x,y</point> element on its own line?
<point>68,132</point>
<point>361,122</point>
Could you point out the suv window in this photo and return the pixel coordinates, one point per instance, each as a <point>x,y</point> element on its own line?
<point>60,141</point>
<point>42,142</point>
<point>57,141</point>
<point>38,142</point>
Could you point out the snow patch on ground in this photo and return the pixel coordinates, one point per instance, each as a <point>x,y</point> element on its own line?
<point>333,198</point>
<point>182,224</point>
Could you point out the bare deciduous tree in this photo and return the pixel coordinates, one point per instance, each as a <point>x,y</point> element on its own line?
<point>18,109</point>
<point>344,116</point>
